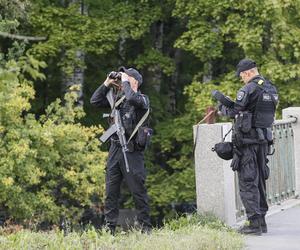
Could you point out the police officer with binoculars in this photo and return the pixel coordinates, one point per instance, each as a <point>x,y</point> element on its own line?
<point>129,135</point>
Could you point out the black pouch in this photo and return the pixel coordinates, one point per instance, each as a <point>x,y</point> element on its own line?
<point>243,122</point>
<point>224,150</point>
<point>143,137</point>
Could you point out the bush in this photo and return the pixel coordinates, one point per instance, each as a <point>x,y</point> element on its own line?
<point>207,220</point>
<point>49,166</point>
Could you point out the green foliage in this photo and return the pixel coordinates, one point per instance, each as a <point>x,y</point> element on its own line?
<point>208,220</point>
<point>51,166</point>
<point>63,26</point>
<point>12,13</point>
<point>7,25</point>
<point>154,58</point>
<point>69,30</point>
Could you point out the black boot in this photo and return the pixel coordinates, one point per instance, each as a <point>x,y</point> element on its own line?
<point>110,229</point>
<point>263,224</point>
<point>146,230</point>
<point>253,228</point>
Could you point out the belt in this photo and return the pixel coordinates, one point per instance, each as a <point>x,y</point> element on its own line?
<point>132,146</point>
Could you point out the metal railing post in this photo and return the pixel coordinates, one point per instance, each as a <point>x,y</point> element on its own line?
<point>289,113</point>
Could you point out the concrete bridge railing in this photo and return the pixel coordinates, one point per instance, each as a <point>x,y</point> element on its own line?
<point>216,183</point>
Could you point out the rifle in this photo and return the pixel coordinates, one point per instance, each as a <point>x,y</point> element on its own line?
<point>117,127</point>
<point>225,100</point>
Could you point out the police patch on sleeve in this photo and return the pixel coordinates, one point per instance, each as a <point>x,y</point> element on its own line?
<point>240,95</point>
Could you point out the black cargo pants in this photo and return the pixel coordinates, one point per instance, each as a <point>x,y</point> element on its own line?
<point>135,180</point>
<point>252,175</point>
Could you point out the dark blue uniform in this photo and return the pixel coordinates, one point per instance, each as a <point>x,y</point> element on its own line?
<point>257,98</point>
<point>131,109</point>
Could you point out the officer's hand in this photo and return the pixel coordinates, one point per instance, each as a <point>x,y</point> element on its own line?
<point>219,106</point>
<point>124,77</point>
<point>108,82</point>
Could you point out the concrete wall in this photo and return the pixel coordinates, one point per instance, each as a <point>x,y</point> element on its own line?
<point>214,177</point>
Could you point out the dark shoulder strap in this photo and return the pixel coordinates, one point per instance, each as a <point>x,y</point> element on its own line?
<point>119,101</point>
<point>143,119</point>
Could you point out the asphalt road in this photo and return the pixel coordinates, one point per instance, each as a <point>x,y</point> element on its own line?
<point>283,232</point>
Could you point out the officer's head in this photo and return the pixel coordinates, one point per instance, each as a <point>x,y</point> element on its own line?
<point>135,78</point>
<point>246,69</point>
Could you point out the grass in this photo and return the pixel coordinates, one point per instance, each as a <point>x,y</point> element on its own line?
<point>184,233</point>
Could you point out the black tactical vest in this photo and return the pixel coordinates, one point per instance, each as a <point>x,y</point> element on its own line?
<point>264,112</point>
<point>130,117</point>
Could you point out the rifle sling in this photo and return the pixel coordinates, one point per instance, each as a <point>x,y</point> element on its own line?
<point>143,119</point>
<point>119,101</point>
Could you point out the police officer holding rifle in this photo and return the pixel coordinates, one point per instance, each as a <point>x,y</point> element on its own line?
<point>129,136</point>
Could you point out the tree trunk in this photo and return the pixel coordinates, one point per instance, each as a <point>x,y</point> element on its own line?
<point>174,81</point>
<point>77,76</point>
<point>157,72</point>
<point>122,51</point>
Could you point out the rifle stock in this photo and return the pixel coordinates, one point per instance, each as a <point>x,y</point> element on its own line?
<point>108,133</point>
